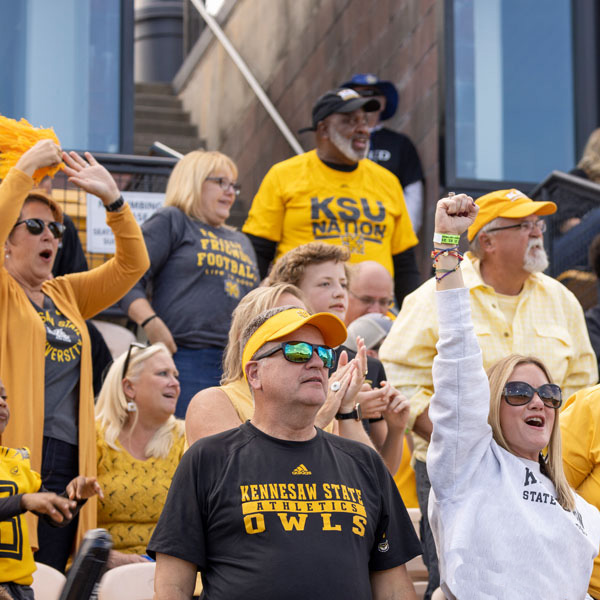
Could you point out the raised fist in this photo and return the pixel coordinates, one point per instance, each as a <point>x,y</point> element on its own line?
<point>455,214</point>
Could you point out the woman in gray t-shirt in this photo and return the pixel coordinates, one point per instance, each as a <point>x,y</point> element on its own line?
<point>200,269</point>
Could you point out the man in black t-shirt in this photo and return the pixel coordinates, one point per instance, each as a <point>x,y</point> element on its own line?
<point>277,508</point>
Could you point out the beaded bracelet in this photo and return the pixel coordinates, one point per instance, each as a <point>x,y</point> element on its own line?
<point>437,252</point>
<point>445,272</point>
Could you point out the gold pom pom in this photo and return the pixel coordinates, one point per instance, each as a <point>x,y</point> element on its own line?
<point>16,137</point>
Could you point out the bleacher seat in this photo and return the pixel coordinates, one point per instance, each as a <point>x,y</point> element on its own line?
<point>47,583</point>
<point>134,582</point>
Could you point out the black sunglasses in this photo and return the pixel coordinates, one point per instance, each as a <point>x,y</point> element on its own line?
<point>301,352</point>
<point>36,227</point>
<point>128,357</point>
<point>519,393</point>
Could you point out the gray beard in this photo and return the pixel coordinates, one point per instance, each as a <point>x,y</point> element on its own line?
<point>345,146</point>
<point>535,261</point>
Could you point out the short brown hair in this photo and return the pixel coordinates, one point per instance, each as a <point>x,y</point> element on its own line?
<point>291,266</point>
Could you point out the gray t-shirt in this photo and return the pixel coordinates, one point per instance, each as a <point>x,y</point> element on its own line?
<point>197,276</point>
<point>62,372</point>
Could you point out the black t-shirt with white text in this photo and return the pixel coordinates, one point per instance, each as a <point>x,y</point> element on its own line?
<point>265,518</point>
<point>397,154</point>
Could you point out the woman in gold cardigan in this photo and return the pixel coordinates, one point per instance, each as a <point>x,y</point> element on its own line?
<point>42,324</point>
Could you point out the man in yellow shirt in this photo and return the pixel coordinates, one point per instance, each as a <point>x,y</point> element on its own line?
<point>336,195</point>
<point>515,308</point>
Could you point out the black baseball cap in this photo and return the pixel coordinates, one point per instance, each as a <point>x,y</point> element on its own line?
<point>342,100</point>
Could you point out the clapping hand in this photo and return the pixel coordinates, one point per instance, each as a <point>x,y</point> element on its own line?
<point>398,410</point>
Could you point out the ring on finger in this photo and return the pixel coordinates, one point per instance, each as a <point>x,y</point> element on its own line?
<point>335,386</point>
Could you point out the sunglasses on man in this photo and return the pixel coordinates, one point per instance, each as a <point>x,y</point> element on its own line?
<point>301,352</point>
<point>37,226</point>
<point>519,393</point>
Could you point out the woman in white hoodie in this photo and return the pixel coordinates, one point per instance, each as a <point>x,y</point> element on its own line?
<point>505,521</point>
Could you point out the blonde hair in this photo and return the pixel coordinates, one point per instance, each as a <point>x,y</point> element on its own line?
<point>291,266</point>
<point>590,161</point>
<point>111,407</point>
<point>498,374</point>
<point>184,189</point>
<point>251,305</point>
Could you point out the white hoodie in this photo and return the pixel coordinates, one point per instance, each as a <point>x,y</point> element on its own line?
<point>499,531</point>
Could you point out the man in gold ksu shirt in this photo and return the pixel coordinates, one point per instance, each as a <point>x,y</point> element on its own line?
<point>334,194</point>
<point>277,508</point>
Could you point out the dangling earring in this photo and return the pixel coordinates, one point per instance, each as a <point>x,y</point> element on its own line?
<point>131,406</point>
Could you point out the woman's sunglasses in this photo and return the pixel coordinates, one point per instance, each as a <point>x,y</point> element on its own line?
<point>301,352</point>
<point>519,393</point>
<point>36,226</point>
<point>128,357</point>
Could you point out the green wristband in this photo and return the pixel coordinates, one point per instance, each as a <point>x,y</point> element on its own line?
<point>446,238</point>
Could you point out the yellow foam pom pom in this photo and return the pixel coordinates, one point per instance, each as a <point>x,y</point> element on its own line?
<point>16,137</point>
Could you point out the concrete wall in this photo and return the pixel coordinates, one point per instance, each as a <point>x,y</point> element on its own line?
<point>298,49</point>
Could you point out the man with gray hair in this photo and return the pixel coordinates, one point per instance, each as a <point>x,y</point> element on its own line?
<point>277,508</point>
<point>516,310</point>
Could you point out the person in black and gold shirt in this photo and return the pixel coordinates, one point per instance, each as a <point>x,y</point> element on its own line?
<point>334,194</point>
<point>21,491</point>
<point>277,508</point>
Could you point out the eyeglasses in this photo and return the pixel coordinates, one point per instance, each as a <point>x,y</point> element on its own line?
<point>384,303</point>
<point>524,226</point>
<point>226,184</point>
<point>37,226</point>
<point>519,393</point>
<point>128,357</point>
<point>301,352</point>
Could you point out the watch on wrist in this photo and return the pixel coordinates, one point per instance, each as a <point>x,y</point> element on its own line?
<point>355,414</point>
<point>116,205</point>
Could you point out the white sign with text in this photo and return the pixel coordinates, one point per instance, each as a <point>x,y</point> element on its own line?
<point>100,238</point>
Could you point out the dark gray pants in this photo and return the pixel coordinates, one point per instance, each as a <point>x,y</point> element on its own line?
<point>18,592</point>
<point>427,543</point>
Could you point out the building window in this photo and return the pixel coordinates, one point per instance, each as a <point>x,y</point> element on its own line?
<point>510,101</point>
<point>61,68</point>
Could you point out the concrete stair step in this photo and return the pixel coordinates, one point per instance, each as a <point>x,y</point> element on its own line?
<point>161,113</point>
<point>154,88</point>
<point>143,99</point>
<point>157,127</point>
<point>183,144</point>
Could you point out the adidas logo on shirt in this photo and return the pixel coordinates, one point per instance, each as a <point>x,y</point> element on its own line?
<point>301,470</point>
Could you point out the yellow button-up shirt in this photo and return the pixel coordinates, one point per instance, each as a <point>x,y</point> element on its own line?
<point>548,324</point>
<point>581,454</point>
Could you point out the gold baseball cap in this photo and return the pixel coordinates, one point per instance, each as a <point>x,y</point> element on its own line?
<point>287,321</point>
<point>511,204</point>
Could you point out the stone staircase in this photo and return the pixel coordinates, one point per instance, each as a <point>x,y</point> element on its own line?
<point>160,117</point>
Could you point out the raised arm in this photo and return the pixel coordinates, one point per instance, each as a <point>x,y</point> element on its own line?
<point>17,184</point>
<point>108,283</point>
<point>460,405</point>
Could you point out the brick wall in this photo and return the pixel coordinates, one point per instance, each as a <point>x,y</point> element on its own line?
<point>299,49</point>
